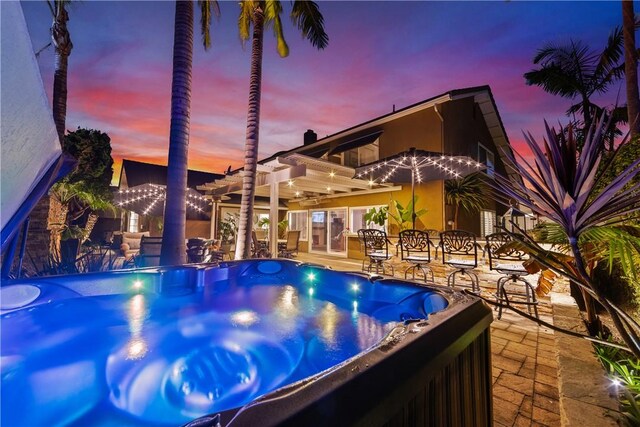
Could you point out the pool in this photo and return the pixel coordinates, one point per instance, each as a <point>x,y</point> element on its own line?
<point>170,345</point>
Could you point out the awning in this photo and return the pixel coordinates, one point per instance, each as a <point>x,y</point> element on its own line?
<point>360,141</point>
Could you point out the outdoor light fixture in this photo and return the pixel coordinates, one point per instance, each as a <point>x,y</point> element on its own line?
<point>332,174</point>
<point>290,183</point>
<point>297,194</point>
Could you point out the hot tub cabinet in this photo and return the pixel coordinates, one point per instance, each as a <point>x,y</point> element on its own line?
<point>432,369</point>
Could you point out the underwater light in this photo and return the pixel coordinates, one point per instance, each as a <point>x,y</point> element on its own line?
<point>311,276</point>
<point>137,284</point>
<point>355,287</point>
<point>244,318</point>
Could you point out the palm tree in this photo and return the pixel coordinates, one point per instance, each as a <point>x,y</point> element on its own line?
<point>173,245</point>
<point>307,17</point>
<point>631,67</point>
<point>574,71</point>
<point>62,42</point>
<point>468,193</point>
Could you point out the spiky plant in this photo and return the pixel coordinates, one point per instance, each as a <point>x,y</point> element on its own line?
<point>563,187</point>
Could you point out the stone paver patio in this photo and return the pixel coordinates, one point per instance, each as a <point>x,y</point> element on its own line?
<point>527,380</point>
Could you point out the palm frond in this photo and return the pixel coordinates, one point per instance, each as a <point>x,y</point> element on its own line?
<point>244,19</point>
<point>307,17</point>
<point>207,9</point>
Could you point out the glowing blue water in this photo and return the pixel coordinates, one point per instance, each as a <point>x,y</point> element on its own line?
<point>146,359</point>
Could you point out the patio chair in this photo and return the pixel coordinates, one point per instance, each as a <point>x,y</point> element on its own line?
<point>509,263</point>
<point>197,250</point>
<point>415,248</point>
<point>149,254</point>
<point>460,251</point>
<point>376,249</point>
<point>291,246</point>
<point>259,248</point>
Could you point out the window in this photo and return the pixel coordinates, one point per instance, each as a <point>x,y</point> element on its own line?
<point>298,221</point>
<point>361,155</point>
<point>357,219</point>
<point>487,158</point>
<point>133,222</point>
<point>487,222</point>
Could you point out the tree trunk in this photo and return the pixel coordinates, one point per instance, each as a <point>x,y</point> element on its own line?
<point>243,243</point>
<point>175,212</point>
<point>631,67</point>
<point>455,216</point>
<point>62,43</point>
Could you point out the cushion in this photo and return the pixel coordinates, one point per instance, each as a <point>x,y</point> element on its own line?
<point>133,239</point>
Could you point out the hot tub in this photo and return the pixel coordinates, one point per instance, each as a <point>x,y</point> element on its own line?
<point>260,342</point>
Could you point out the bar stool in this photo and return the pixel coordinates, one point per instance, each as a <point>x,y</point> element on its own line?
<point>415,248</point>
<point>460,251</point>
<point>509,263</point>
<point>376,248</point>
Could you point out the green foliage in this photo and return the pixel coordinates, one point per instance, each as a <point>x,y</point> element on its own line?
<point>377,216</point>
<point>94,170</point>
<point>229,228</point>
<point>611,244</point>
<point>575,71</point>
<point>403,215</point>
<point>624,370</point>
<point>468,193</point>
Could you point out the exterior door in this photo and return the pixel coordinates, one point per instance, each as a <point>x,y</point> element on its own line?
<point>327,231</point>
<point>337,236</point>
<point>319,231</point>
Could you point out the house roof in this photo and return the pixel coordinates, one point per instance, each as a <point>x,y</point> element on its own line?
<point>138,173</point>
<point>352,136</point>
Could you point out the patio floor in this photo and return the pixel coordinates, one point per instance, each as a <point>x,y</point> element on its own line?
<point>526,385</point>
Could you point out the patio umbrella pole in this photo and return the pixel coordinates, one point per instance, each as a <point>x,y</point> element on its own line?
<point>413,199</point>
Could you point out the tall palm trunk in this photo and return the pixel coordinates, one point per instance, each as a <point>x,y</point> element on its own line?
<point>243,243</point>
<point>175,213</point>
<point>631,67</point>
<point>62,43</point>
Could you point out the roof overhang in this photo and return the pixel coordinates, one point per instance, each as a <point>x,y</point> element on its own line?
<point>299,178</point>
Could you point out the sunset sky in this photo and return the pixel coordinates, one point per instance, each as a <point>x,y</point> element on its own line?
<point>379,54</point>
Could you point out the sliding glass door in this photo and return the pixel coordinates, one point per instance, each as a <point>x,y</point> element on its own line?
<point>327,231</point>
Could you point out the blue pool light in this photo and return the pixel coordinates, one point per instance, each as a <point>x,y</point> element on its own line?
<point>355,287</point>
<point>311,277</point>
<point>311,291</point>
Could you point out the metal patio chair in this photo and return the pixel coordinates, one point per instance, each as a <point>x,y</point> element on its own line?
<point>509,263</point>
<point>460,251</point>
<point>376,249</point>
<point>415,248</point>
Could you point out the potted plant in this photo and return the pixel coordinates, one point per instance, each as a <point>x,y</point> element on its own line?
<point>403,215</point>
<point>377,216</point>
<point>228,231</point>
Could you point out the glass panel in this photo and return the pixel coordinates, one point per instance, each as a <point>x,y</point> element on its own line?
<point>337,225</point>
<point>133,222</point>
<point>358,222</point>
<point>319,230</point>
<point>368,154</point>
<point>298,221</point>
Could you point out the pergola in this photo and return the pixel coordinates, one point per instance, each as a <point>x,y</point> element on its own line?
<point>297,178</point>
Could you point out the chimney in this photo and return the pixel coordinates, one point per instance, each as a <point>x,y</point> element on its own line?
<point>310,137</point>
